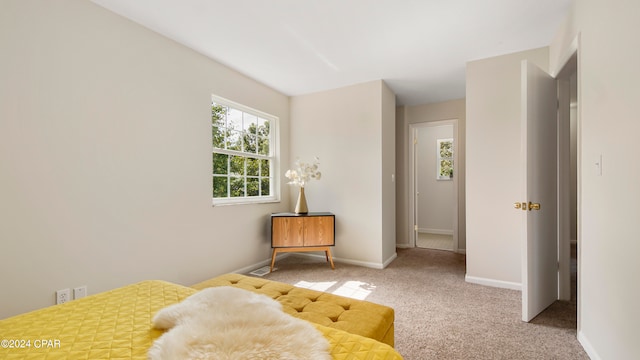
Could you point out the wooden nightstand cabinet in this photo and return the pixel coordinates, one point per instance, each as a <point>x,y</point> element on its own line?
<point>292,232</point>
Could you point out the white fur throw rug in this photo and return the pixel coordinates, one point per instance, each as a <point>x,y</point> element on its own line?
<point>227,323</point>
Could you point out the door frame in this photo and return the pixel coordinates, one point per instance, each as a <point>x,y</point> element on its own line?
<point>413,158</point>
<point>570,63</point>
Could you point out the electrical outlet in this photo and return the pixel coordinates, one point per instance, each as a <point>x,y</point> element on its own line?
<point>62,296</point>
<point>79,292</point>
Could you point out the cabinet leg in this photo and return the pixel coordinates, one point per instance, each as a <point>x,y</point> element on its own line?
<point>329,258</point>
<point>273,259</point>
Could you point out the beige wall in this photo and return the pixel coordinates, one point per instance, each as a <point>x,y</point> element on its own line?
<point>344,127</point>
<point>608,246</point>
<point>105,158</point>
<point>388,174</point>
<point>406,115</point>
<point>402,179</point>
<point>494,171</point>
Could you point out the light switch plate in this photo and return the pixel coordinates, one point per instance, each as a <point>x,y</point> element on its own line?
<point>598,164</point>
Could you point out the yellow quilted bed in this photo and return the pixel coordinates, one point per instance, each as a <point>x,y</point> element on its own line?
<point>117,325</point>
<point>360,317</point>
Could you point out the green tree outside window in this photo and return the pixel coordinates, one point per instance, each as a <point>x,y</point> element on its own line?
<point>445,159</point>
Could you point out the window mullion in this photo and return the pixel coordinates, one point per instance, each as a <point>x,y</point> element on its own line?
<point>244,175</point>
<point>240,153</point>
<point>228,177</point>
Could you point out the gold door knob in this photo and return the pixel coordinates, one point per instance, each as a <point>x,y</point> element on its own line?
<point>534,206</point>
<point>517,205</point>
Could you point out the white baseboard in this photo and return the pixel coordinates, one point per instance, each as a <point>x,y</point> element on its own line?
<point>372,265</point>
<point>389,260</point>
<point>493,283</point>
<point>260,264</point>
<point>407,246</point>
<point>367,264</point>
<point>586,345</point>
<point>436,231</point>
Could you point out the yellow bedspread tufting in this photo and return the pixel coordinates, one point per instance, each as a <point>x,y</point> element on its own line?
<point>117,325</point>
<point>360,317</point>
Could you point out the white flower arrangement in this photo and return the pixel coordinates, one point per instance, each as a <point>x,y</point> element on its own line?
<point>303,172</point>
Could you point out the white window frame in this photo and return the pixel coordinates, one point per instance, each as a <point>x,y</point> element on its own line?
<point>440,158</point>
<point>273,156</point>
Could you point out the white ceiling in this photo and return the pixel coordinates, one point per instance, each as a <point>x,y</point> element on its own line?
<point>418,47</point>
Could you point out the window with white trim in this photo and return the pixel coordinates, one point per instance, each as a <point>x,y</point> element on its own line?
<point>444,152</point>
<point>244,144</point>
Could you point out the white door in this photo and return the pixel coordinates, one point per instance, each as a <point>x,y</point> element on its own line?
<point>539,137</point>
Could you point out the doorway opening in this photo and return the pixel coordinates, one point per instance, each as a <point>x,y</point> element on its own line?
<point>434,185</point>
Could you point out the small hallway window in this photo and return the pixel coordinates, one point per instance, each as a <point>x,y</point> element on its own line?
<point>444,152</point>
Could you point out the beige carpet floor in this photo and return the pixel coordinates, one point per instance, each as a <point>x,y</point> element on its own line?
<point>438,314</point>
<point>434,241</point>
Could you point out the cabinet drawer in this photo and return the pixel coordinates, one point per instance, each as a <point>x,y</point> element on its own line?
<point>287,231</point>
<point>319,231</point>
